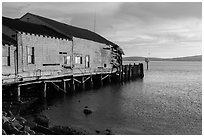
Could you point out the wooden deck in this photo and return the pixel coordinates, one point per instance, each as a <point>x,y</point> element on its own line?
<point>71,81</point>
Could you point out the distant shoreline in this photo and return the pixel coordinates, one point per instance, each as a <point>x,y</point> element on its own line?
<point>189,58</point>
<point>164,60</point>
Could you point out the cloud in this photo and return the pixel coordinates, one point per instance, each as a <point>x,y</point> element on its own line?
<point>155,10</point>
<point>64,8</point>
<point>164,29</point>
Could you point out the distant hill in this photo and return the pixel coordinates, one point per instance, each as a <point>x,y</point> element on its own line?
<point>189,58</point>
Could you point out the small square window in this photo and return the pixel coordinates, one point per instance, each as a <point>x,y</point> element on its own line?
<point>67,60</point>
<point>30,55</point>
<point>78,60</point>
<point>87,61</point>
<point>6,56</point>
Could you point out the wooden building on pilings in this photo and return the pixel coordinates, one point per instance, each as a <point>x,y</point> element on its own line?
<point>46,52</point>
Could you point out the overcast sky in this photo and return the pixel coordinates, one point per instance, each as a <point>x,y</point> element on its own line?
<point>159,29</point>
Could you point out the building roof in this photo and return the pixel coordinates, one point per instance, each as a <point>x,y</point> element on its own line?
<point>21,26</point>
<point>75,31</point>
<point>7,40</point>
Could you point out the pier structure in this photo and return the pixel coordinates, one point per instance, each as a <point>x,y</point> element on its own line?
<point>69,84</point>
<point>40,54</point>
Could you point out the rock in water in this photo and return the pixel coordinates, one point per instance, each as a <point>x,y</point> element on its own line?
<point>97,131</point>
<point>3,132</point>
<point>21,120</point>
<point>87,111</point>
<point>108,132</point>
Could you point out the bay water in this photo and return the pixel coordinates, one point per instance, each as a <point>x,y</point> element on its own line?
<point>168,100</point>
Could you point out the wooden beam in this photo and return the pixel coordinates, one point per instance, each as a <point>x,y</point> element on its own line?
<point>104,77</point>
<point>58,87</point>
<point>30,83</point>
<point>52,81</point>
<point>77,80</point>
<point>66,79</point>
<point>86,79</point>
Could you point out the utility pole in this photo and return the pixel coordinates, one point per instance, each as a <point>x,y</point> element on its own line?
<point>94,21</point>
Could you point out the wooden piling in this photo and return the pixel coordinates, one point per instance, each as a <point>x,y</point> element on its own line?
<point>135,71</point>
<point>109,79</point>
<point>44,91</point>
<point>130,72</point>
<point>73,84</point>
<point>65,88</point>
<point>83,82</point>
<point>141,70</point>
<point>122,73</point>
<point>19,93</point>
<point>101,79</point>
<point>125,70</point>
<point>91,81</point>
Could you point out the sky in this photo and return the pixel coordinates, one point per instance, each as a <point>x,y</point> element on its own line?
<point>148,29</point>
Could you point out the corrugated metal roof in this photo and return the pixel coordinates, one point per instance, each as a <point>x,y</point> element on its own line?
<point>75,31</point>
<point>31,28</point>
<point>8,40</point>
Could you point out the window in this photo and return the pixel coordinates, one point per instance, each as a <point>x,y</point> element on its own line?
<point>67,60</point>
<point>78,60</point>
<point>6,56</point>
<point>30,55</point>
<point>87,61</point>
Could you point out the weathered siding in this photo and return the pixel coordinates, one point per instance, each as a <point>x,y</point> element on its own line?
<point>46,51</point>
<point>82,47</point>
<point>98,56</point>
<point>9,70</point>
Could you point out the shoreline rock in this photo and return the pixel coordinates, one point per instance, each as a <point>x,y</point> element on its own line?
<point>39,125</point>
<point>87,111</point>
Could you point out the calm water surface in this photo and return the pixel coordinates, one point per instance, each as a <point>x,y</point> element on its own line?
<point>167,101</point>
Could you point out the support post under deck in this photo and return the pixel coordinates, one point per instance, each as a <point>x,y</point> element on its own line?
<point>19,93</point>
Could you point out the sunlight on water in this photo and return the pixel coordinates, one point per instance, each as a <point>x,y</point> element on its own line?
<point>167,101</point>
